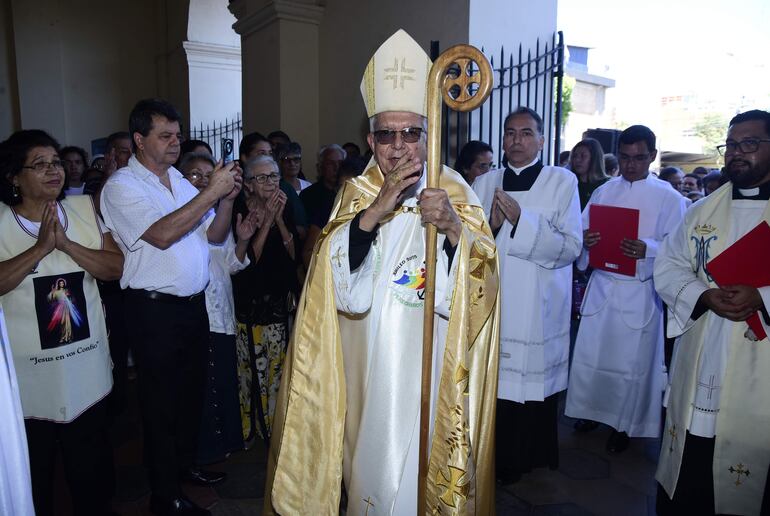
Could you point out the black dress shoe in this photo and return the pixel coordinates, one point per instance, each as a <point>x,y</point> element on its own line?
<point>618,442</point>
<point>585,425</point>
<point>203,477</point>
<point>178,506</point>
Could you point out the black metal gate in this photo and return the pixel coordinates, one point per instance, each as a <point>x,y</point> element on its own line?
<point>214,134</point>
<point>534,82</point>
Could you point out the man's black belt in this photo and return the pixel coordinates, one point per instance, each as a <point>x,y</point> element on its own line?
<point>167,298</point>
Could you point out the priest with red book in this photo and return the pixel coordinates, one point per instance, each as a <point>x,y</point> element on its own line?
<point>617,375</point>
<point>716,440</point>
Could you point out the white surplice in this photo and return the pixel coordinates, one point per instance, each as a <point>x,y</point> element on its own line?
<point>618,373</point>
<point>536,282</point>
<point>381,316</point>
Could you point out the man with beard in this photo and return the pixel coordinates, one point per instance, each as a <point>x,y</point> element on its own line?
<point>716,444</point>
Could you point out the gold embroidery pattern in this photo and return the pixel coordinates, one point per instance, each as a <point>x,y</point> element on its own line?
<point>462,375</point>
<point>453,488</point>
<point>480,262</point>
<point>739,469</point>
<point>404,74</point>
<point>458,437</point>
<point>672,433</point>
<point>705,229</point>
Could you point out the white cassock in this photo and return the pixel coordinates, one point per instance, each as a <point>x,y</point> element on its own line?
<point>719,378</point>
<point>536,282</point>
<point>618,372</point>
<point>15,482</point>
<point>381,317</point>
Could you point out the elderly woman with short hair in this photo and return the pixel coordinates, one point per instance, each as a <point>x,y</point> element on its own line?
<point>220,432</point>
<point>52,251</point>
<point>265,294</point>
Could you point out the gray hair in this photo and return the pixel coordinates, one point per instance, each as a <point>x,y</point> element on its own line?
<point>331,146</point>
<point>189,157</point>
<point>260,160</point>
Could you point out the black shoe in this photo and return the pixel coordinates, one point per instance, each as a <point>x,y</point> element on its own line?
<point>177,506</point>
<point>618,442</point>
<point>203,477</point>
<point>585,425</point>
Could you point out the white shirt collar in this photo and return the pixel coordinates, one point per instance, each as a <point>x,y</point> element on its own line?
<point>518,170</point>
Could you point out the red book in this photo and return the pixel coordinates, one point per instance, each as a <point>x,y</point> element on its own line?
<point>613,224</point>
<point>745,263</point>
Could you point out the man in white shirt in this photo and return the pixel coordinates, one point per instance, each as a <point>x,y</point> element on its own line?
<point>163,225</point>
<point>534,211</point>
<point>617,375</point>
<point>716,440</point>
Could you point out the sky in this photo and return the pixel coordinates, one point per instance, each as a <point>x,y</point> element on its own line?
<point>715,49</point>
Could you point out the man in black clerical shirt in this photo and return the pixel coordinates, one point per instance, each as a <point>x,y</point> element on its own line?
<point>534,212</point>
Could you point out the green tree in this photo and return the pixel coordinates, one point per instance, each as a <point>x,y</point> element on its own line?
<point>567,85</point>
<point>711,130</point>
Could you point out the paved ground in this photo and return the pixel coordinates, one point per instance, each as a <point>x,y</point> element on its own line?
<point>588,481</point>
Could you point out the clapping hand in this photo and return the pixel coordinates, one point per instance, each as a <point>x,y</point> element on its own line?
<point>245,227</point>
<point>275,207</point>
<point>46,238</point>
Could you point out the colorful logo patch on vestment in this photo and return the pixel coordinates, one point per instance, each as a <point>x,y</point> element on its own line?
<point>408,281</point>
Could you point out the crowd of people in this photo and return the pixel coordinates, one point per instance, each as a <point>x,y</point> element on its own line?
<point>259,306</point>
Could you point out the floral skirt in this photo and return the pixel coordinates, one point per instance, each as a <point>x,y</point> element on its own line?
<point>261,351</point>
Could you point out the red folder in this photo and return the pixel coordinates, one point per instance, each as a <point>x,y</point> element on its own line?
<point>745,263</point>
<point>613,224</point>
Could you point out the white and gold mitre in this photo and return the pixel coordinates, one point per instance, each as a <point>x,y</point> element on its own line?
<point>396,77</point>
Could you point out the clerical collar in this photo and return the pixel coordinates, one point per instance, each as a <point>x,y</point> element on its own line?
<point>524,179</point>
<point>519,170</point>
<point>758,193</point>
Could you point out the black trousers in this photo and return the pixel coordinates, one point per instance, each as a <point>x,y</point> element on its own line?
<point>695,487</point>
<point>117,329</point>
<point>526,436</point>
<point>169,340</point>
<point>86,456</point>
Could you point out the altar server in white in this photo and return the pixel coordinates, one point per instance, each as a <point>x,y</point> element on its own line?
<point>618,374</point>
<point>716,440</point>
<point>534,211</point>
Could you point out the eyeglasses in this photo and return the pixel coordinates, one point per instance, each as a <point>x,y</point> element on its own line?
<point>196,175</point>
<point>262,178</point>
<point>746,146</point>
<point>42,166</point>
<point>288,159</point>
<point>408,135</point>
<point>639,158</point>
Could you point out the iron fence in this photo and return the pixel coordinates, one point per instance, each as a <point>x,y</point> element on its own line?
<point>215,133</point>
<point>534,82</point>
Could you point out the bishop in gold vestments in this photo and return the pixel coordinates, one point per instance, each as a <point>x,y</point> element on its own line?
<point>349,404</point>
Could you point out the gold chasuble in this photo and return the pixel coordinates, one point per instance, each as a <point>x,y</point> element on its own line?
<point>305,464</point>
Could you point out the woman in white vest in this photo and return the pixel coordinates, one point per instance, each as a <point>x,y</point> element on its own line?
<point>52,251</point>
